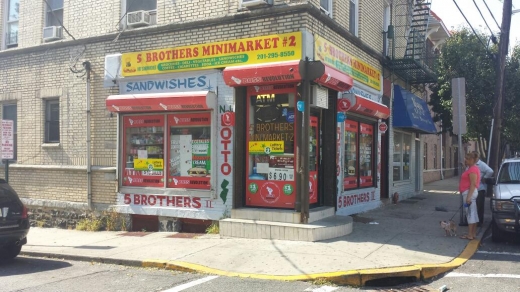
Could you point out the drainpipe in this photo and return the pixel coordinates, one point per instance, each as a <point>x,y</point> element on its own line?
<point>87,67</point>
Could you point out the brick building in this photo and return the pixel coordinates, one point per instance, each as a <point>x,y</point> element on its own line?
<point>116,139</point>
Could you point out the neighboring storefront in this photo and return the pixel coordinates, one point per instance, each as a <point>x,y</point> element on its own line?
<point>411,118</point>
<point>171,141</point>
<point>360,123</point>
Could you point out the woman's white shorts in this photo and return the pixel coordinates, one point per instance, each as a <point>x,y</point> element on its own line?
<point>471,211</point>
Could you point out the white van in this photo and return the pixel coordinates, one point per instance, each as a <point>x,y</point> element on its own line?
<point>505,203</point>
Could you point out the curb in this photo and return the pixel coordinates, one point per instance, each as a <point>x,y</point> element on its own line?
<point>350,278</point>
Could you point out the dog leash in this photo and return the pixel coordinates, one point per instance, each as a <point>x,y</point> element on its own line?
<point>456,212</point>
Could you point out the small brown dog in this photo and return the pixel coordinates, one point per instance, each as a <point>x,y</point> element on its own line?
<point>449,228</point>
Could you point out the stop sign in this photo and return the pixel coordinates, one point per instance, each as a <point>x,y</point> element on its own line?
<point>383,127</point>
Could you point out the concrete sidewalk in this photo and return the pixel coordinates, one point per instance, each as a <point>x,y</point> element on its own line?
<point>395,240</point>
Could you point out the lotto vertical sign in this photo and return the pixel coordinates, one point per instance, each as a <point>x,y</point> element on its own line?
<point>7,139</point>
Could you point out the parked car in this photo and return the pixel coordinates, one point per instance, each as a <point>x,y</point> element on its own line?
<point>14,222</point>
<point>505,203</point>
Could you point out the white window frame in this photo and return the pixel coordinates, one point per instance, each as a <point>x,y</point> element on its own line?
<point>47,104</point>
<point>386,23</point>
<point>356,17</point>
<point>6,23</point>
<point>329,10</point>
<point>47,12</point>
<point>123,13</point>
<point>403,136</point>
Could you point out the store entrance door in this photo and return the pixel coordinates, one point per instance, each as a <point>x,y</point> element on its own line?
<point>314,159</point>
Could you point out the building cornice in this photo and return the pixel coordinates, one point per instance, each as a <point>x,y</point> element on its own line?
<point>241,16</point>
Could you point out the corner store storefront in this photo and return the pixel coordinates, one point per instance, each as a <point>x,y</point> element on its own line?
<point>179,150</point>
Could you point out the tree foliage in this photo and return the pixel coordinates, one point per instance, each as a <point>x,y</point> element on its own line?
<point>463,55</point>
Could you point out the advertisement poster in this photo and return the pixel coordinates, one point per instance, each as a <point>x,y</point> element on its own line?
<point>143,151</point>
<point>190,151</point>
<point>266,147</point>
<point>256,50</point>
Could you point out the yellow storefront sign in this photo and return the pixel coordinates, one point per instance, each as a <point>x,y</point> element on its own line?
<point>266,147</point>
<point>148,164</point>
<point>257,50</point>
<point>332,55</point>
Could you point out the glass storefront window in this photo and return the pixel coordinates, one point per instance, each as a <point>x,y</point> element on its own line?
<point>143,151</point>
<point>350,172</point>
<point>401,161</point>
<point>167,150</point>
<point>359,155</point>
<point>366,142</point>
<point>189,154</point>
<point>271,177</point>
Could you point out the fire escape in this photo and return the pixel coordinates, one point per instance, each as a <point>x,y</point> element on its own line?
<point>409,55</point>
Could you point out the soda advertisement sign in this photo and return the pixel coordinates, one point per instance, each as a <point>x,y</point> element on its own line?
<point>256,50</point>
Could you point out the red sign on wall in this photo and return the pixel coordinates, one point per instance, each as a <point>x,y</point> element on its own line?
<point>343,105</point>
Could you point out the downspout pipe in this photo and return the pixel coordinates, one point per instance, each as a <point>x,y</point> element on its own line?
<point>88,69</point>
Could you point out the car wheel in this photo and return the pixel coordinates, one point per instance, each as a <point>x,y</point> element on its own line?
<point>10,252</point>
<point>496,234</point>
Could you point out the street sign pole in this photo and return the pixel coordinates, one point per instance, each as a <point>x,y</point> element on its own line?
<point>6,170</point>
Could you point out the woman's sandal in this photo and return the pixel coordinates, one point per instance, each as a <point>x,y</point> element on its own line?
<point>466,237</point>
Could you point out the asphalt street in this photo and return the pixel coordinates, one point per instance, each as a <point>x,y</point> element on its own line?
<point>494,267</point>
<point>41,274</point>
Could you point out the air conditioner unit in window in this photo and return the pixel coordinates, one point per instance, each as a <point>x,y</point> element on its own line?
<point>138,18</point>
<point>251,3</point>
<point>52,33</point>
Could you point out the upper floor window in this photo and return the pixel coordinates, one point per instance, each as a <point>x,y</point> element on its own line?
<point>131,6</point>
<point>52,121</point>
<point>353,17</point>
<point>326,6</point>
<point>11,32</point>
<point>54,14</point>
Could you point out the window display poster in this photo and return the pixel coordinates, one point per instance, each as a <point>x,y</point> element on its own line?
<point>351,155</point>
<point>143,150</point>
<point>366,142</point>
<point>190,151</point>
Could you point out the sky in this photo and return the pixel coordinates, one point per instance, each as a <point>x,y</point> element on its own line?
<point>453,19</point>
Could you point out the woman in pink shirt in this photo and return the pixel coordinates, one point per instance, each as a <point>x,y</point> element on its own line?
<point>468,186</point>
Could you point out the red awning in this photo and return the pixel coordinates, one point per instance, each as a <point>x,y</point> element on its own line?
<point>367,107</point>
<point>182,101</point>
<point>263,74</point>
<point>335,79</point>
<point>282,72</point>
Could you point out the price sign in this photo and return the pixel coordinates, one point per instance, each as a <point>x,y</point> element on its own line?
<point>282,174</point>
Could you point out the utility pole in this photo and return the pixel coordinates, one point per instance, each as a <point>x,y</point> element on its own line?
<point>503,46</point>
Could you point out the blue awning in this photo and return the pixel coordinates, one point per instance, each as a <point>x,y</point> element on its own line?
<point>411,112</point>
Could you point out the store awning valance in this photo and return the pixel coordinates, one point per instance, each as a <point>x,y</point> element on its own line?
<point>283,73</point>
<point>367,107</point>
<point>197,100</point>
<point>411,112</point>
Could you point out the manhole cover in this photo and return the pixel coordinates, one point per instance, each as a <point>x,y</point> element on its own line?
<point>136,234</point>
<point>407,288</point>
<point>185,235</point>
